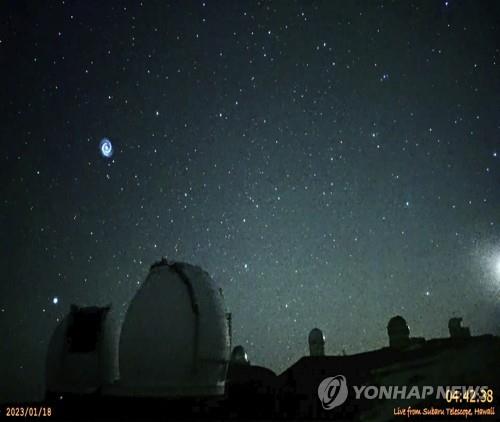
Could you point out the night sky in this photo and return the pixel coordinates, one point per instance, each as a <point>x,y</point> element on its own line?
<point>330,164</point>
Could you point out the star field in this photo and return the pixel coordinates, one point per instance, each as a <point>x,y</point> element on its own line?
<point>329,163</point>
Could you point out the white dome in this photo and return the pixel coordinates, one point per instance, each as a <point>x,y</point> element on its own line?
<point>82,353</point>
<point>175,337</point>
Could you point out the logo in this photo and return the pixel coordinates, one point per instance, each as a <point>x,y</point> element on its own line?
<point>332,391</point>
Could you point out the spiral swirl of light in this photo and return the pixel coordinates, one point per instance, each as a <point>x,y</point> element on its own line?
<point>106,148</point>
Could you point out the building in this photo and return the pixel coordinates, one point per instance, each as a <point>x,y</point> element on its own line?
<point>174,341</point>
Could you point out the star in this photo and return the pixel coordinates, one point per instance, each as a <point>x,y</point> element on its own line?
<point>285,164</point>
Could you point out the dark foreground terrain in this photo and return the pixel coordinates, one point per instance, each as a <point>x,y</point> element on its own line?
<point>256,393</point>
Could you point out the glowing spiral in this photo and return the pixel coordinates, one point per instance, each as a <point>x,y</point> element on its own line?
<point>106,148</point>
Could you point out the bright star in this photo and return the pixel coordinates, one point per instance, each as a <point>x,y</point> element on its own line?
<point>55,300</point>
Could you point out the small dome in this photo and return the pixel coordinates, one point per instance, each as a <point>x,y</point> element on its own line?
<point>316,336</point>
<point>239,355</point>
<point>398,331</point>
<point>316,342</point>
<point>82,353</point>
<point>175,337</point>
<point>398,324</point>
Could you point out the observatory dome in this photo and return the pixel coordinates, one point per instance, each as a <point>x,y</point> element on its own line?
<point>239,356</point>
<point>175,338</point>
<point>82,353</point>
<point>316,336</point>
<point>316,342</point>
<point>398,331</point>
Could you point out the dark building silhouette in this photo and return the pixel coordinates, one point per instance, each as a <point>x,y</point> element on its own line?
<point>456,329</point>
<point>170,359</point>
<point>316,342</point>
